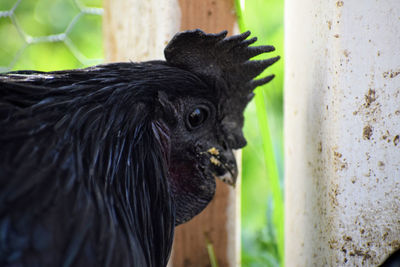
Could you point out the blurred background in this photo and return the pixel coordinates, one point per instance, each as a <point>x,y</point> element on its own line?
<point>64,34</point>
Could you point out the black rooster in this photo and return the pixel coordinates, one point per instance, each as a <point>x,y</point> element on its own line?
<point>98,165</point>
<point>393,260</point>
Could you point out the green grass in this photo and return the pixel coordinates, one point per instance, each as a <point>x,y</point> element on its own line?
<point>262,196</point>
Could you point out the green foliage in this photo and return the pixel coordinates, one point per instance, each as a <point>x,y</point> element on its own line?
<point>262,198</point>
<point>46,56</point>
<point>45,17</point>
<point>50,34</point>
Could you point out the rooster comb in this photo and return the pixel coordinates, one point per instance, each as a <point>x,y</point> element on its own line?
<point>219,58</point>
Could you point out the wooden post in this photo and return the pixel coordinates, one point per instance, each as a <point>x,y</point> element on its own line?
<point>342,127</point>
<point>138,30</point>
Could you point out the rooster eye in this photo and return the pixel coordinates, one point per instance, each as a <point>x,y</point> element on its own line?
<point>197,116</point>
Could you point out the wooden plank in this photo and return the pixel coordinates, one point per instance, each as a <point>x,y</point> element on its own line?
<point>138,30</point>
<point>220,221</point>
<point>208,15</point>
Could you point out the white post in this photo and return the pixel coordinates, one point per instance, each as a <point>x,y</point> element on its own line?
<point>342,128</point>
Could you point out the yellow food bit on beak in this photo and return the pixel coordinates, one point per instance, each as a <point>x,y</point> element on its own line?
<point>215,161</point>
<point>213,151</point>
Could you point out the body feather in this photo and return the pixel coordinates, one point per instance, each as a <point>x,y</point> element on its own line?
<point>77,155</point>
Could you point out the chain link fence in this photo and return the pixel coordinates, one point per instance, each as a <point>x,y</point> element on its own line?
<point>50,34</point>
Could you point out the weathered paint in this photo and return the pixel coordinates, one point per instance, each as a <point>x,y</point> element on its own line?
<point>342,127</point>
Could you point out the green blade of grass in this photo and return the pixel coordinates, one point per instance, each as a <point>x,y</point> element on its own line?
<point>272,172</point>
<point>211,254</point>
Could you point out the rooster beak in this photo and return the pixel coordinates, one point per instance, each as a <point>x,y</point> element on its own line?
<point>229,177</point>
<point>224,165</point>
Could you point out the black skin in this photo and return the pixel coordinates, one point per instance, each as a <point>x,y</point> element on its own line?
<point>99,165</point>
